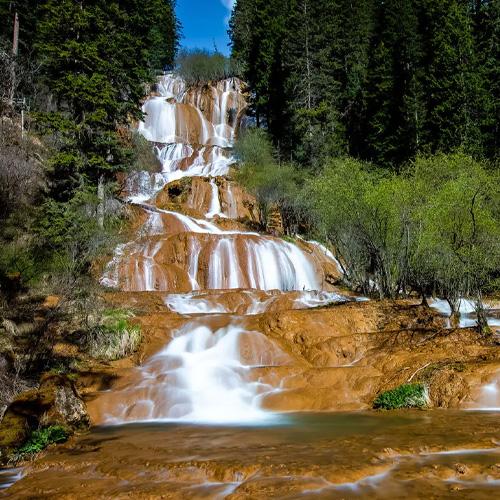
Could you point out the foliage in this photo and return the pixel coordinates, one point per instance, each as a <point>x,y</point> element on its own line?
<point>404,396</point>
<point>434,228</point>
<point>39,440</point>
<point>143,155</point>
<point>114,337</point>
<point>275,184</point>
<point>381,81</point>
<point>201,66</point>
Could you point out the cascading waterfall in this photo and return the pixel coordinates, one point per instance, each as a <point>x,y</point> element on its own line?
<point>232,207</point>
<point>203,375</point>
<point>215,207</point>
<point>207,372</point>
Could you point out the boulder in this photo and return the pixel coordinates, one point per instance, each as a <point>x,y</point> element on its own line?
<point>56,402</point>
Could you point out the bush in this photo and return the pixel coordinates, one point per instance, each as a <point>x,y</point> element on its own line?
<point>201,67</point>
<point>275,184</point>
<point>114,338</point>
<point>41,438</point>
<point>404,396</point>
<point>143,155</point>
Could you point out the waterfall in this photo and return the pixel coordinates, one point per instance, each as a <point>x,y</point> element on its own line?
<point>208,372</point>
<point>231,203</point>
<point>203,375</point>
<point>215,208</point>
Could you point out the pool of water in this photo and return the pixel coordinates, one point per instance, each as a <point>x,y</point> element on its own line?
<point>396,455</point>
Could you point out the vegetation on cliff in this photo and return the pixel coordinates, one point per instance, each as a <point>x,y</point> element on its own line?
<point>39,440</point>
<point>404,396</point>
<point>201,66</point>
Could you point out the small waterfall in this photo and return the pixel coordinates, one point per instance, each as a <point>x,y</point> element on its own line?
<point>224,269</point>
<point>232,208</point>
<point>203,375</point>
<point>215,207</point>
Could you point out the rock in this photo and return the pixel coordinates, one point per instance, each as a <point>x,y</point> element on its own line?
<point>56,402</point>
<point>447,388</point>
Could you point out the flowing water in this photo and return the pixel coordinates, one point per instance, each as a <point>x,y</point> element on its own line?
<point>206,372</point>
<point>350,456</point>
<point>198,425</point>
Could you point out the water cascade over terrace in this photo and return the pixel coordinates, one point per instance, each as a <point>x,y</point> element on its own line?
<point>209,372</point>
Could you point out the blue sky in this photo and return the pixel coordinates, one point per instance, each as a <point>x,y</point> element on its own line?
<point>203,21</point>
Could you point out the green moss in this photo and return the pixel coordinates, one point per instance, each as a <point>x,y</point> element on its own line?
<point>404,396</point>
<point>40,439</point>
<point>288,239</point>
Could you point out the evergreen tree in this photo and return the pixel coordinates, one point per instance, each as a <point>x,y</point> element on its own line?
<point>455,92</point>
<point>395,95</point>
<point>489,39</point>
<point>312,88</point>
<point>98,56</point>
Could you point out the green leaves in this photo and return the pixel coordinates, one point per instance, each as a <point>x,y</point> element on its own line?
<point>200,66</point>
<point>404,396</point>
<point>40,439</point>
<point>399,77</point>
<point>98,56</point>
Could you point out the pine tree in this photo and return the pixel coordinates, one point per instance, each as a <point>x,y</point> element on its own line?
<point>312,89</point>
<point>396,99</point>
<point>98,56</point>
<point>456,95</point>
<point>489,39</point>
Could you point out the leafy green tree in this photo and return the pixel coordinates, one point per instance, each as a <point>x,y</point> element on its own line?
<point>461,225</point>
<point>201,67</point>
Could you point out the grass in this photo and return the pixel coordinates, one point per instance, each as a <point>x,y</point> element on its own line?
<point>39,440</point>
<point>404,396</point>
<point>115,337</point>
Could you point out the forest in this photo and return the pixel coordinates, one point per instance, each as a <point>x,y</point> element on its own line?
<point>381,136</point>
<point>377,80</point>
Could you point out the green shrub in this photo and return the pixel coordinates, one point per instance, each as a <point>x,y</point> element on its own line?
<point>115,337</point>
<point>41,438</point>
<point>404,396</point>
<point>201,66</point>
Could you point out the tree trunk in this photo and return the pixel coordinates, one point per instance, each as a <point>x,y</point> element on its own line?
<point>15,45</point>
<point>100,200</point>
<point>482,320</point>
<point>455,313</point>
<point>424,300</point>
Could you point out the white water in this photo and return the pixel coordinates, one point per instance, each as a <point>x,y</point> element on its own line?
<point>467,311</point>
<point>232,207</point>
<point>203,375</point>
<point>206,373</point>
<point>215,206</point>
<point>251,302</point>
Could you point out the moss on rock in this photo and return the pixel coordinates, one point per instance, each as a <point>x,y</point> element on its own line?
<point>404,396</point>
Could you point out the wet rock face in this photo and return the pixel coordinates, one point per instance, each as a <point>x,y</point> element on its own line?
<point>56,402</point>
